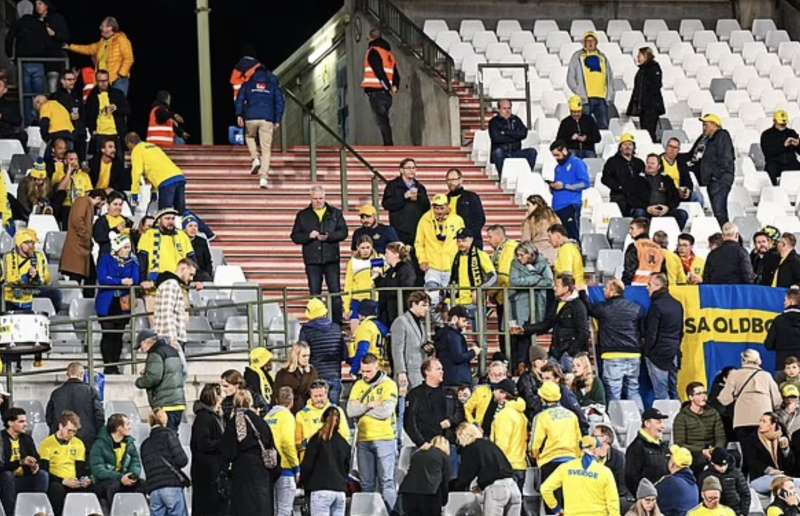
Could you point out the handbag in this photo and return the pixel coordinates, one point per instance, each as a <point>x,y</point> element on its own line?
<point>268,455</point>
<point>185,480</point>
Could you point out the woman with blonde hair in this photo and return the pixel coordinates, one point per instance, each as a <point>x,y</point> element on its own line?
<point>587,388</point>
<point>646,500</point>
<point>326,465</point>
<point>423,491</point>
<point>163,458</point>
<point>298,375</point>
<point>540,216</point>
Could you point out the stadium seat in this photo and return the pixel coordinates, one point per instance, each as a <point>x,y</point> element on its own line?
<point>775,38</point>
<point>615,28</point>
<point>433,27</point>
<point>669,408</point>
<point>506,28</point>
<point>757,87</point>
<point>739,38</point>
<point>725,26</point>
<point>126,504</point>
<point>702,38</point>
<point>43,305</point>
<point>653,27</point>
<point>42,224</point>
<point>719,86</point>
<point>608,260</point>
<point>519,39</point>
<point>533,50</point>
<point>631,40</point>
<point>184,433</point>
<point>716,50</point>
<point>39,432</point>
<point>54,245</point>
<point>20,164</point>
<point>780,74</point>
<point>530,184</point>
<point>236,337</point>
<point>762,26</point>
<point>541,28</point>
<point>82,503</point>
<point>751,51</point>
<point>9,148</point>
<point>555,40</point>
<point>686,89</point>
<point>458,51</point>
<point>665,39</point>
<point>791,88</point>
<point>591,244</point>
<point>679,51</point>
<point>126,407</point>
<point>566,51</point>
<point>688,27</point>
<point>743,74</point>
<point>140,432</point>
<point>618,231</point>
<point>787,50</point>
<point>34,504</point>
<point>200,338</point>
<point>33,408</point>
<point>728,63</point>
<point>578,28</point>
<point>766,62</point>
<point>496,51</point>
<point>367,504</point>
<point>675,133</point>
<point>668,225</point>
<point>458,500</point>
<point>622,412</point>
<point>693,64</point>
<point>446,38</point>
<point>470,27</point>
<point>748,226</point>
<point>480,41</point>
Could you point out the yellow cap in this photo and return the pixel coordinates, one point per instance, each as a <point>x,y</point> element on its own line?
<point>781,117</point>
<point>315,309</point>
<point>368,209</point>
<point>259,357</point>
<point>575,103</point>
<point>26,235</point>
<point>790,390</point>
<point>590,34</point>
<point>681,456</point>
<point>714,119</point>
<point>627,138</point>
<point>549,392</point>
<point>588,442</point>
<point>440,200</point>
<point>38,173</point>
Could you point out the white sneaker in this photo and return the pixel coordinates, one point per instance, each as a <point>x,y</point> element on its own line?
<point>262,182</point>
<point>255,166</point>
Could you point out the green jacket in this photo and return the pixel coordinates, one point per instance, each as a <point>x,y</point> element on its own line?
<point>163,377</point>
<point>102,461</point>
<point>697,432</point>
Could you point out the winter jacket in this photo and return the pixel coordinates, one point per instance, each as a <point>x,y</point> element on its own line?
<point>646,96</point>
<point>408,338</point>
<point>324,337</point>
<point>778,156</point>
<point>111,272</point>
<point>528,386</point>
<point>207,431</point>
<point>381,236</point>
<point>555,434</point>
<point>584,126</point>
<point>783,336</point>
<point>718,161</point>
<point>162,447</point>
<point>438,253</point>
<point>764,266</point>
<point>575,178</point>
<point>728,264</point>
<point>401,275</point>
<point>481,407</point>
<point>537,275</point>
<point>663,331</point>
<point>788,272</point>
<point>646,458</point>
<point>27,448</point>
<point>77,254</point>
<point>404,214</point>
<point>31,38</point>
<point>470,209</point>
<point>484,461</point>
<point>510,433</point>
<point>102,460</point>
<point>591,484</point>
<point>300,383</point>
<point>779,507</point>
<point>283,426</point>
<point>757,458</point>
<point>116,97</point>
<point>202,257</point>
<point>426,408</point>
<point>677,493</point>
<point>102,233</point>
<point>754,391</point>
<point>81,398</point>
<point>163,377</point>
<point>10,120</point>
<point>697,432</point>
<point>619,321</point>
<point>595,395</point>
<point>261,98</point>
<point>621,176</point>
<point>576,81</point>
<point>326,464</point>
<point>120,174</point>
<point>119,51</point>
<point>735,489</point>
<point>428,473</point>
<point>616,463</point>
<point>570,325</point>
<point>644,190</point>
<point>507,133</point>
<point>452,352</point>
<point>318,252</point>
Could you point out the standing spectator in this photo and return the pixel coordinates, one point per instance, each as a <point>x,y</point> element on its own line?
<point>646,500</point>
<point>162,459</point>
<point>677,491</point>
<point>259,109</point>
<point>71,98</point>
<point>788,272</point>
<point>70,183</point>
<point>424,490</point>
<point>698,427</point>
<point>555,432</point>
<point>431,409</point>
<point>370,337</point>
<point>734,490</point>
<point>452,348</point>
<point>326,466</point>
<point>319,228</point>
<point>282,424</point>
<point>298,375</point>
<point>150,163</point>
<point>54,120</point>
<point>785,499</point>
<point>614,459</point>
<point>589,76</point>
<point>571,178</point>
<point>539,219</point>
<point>10,121</point>
<point>662,338</point>
<point>657,194</point>
<point>507,132</point>
<point>764,257</point>
<point>693,266</point>
<point>509,429</point>
<point>106,112</point>
<point>114,460</point>
<point>436,245</point>
<point>716,156</point>
<point>675,167</point>
<point>729,263</point>
<point>621,173</point>
<point>482,406</point>
<point>80,398</point>
<point>165,127</point>
<point>76,259</point>
<point>381,81</point>
<point>618,344</point>
<point>163,377</point>
<point>324,338</point>
<point>409,342</point>
<point>471,268</point>
<point>244,443</point>
<point>783,335</point>
<point>767,453</point>
<point>202,254</point>
<point>753,393</point>
<point>568,255</point>
<point>529,270</point>
<point>648,454</point>
<point>406,200</point>
<point>21,470</point>
<point>258,380</point>
<point>579,131</point>
<point>171,311</point>
<point>466,204</point>
<point>247,65</point>
<point>231,382</point>
<point>504,251</point>
<point>646,100</point>
<point>780,146</point>
<point>363,266</point>
<point>587,387</point>
<point>63,456</point>
<point>381,234</point>
<point>107,171</point>
<point>111,225</point>
<point>207,429</point>
<point>672,264</point>
<point>400,274</point>
<point>310,419</point>
<point>113,52</point>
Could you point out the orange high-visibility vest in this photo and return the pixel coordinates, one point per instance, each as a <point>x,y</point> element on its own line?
<point>238,78</point>
<point>87,75</point>
<point>162,135</point>
<point>370,79</point>
<point>651,259</point>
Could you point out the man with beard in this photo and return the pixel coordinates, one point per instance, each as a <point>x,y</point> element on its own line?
<point>764,256</point>
<point>466,204</point>
<point>107,172</point>
<point>571,178</point>
<point>406,200</point>
<point>70,183</point>
<point>381,234</point>
<point>72,100</point>
<point>780,146</point>
<point>620,171</point>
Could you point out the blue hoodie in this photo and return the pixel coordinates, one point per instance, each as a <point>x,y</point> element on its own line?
<point>677,493</point>
<point>261,98</point>
<point>324,337</point>
<point>573,174</point>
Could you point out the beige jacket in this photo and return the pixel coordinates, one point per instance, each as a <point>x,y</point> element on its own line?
<point>537,233</point>
<point>760,394</point>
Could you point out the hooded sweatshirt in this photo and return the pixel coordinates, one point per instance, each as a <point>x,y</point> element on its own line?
<point>510,433</point>
<point>282,424</point>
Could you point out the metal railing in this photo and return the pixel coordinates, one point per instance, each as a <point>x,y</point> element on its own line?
<point>20,61</point>
<point>393,21</point>
<point>485,99</point>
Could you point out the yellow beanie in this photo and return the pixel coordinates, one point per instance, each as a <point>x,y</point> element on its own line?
<point>25,235</point>
<point>575,103</point>
<point>681,456</point>
<point>259,357</point>
<point>315,309</point>
<point>549,392</point>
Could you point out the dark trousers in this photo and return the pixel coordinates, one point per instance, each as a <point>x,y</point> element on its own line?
<point>381,102</point>
<point>718,192</point>
<point>570,217</point>
<point>546,471</point>
<point>174,419</point>
<point>743,432</point>
<point>421,504</point>
<point>106,489</point>
<point>649,122</point>
<point>680,216</point>
<point>11,485</point>
<point>172,196</point>
<point>520,345</point>
<point>111,343</point>
<point>57,492</point>
<point>776,169</point>
<point>330,271</point>
<point>499,155</point>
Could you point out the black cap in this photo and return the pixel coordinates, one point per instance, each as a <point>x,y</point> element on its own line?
<point>720,457</point>
<point>506,385</point>
<point>368,308</point>
<point>458,311</point>
<point>464,233</point>
<point>653,413</point>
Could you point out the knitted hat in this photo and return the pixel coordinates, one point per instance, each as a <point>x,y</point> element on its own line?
<point>720,457</point>
<point>537,353</point>
<point>549,392</point>
<point>143,335</point>
<point>711,483</point>
<point>440,200</point>
<point>39,170</point>
<point>189,219</point>
<point>25,235</point>
<point>506,385</point>
<point>165,211</point>
<point>646,489</point>
<point>790,391</point>
<point>118,242</point>
<point>259,357</point>
<point>315,309</point>
<point>681,456</point>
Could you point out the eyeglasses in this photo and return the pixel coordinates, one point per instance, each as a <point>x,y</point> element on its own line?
<point>365,216</point>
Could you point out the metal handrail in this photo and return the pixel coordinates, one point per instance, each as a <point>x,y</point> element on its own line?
<point>20,87</point>
<point>485,98</point>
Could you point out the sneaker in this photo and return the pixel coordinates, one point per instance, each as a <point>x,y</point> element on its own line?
<point>262,182</point>
<point>255,166</point>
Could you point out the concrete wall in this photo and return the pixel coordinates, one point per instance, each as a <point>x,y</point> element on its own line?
<point>787,16</point>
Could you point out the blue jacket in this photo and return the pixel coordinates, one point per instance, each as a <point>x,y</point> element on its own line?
<point>451,350</point>
<point>261,98</point>
<point>677,494</point>
<point>111,272</point>
<point>324,337</point>
<point>575,178</point>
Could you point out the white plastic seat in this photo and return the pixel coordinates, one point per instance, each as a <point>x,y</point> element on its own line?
<point>757,87</point>
<point>790,183</point>
<point>470,27</point>
<point>125,504</point>
<point>679,51</point>
<point>506,28</point>
<point>555,39</point>
<point>694,64</point>
<point>9,148</point>
<point>753,49</point>
<point>42,224</point>
<point>734,99</point>
<point>532,50</point>
<point>665,39</point>
<point>433,27</point>
<point>615,28</point>
<point>529,184</point>
<point>458,500</point>
<point>771,101</point>
<point>446,38</point>
<point>716,50</point>
<point>705,76</point>
<point>766,62</point>
<point>702,228</point>
<point>692,127</point>
<point>739,38</point>
<point>631,39</point>
<point>481,40</point>
<point>751,112</point>
<point>550,102</point>
<point>775,38</point>
<point>558,78</point>
<point>458,51</point>
<point>780,74</point>
<point>688,27</point>
<point>742,75</point>
<point>496,51</point>
<point>702,38</point>
<point>787,223</point>
<point>728,63</point>
<point>82,503</point>
<point>671,76</point>
<point>684,89</point>
<point>777,197</point>
<point>578,28</point>
<point>668,225</point>
<point>519,39</point>
<point>547,129</point>
<point>513,169</point>
<point>228,275</point>
<point>622,412</point>
<point>541,28</point>
<point>38,504</point>
<point>567,50</point>
<point>762,26</point>
<point>791,88</point>
<point>469,65</point>
<point>787,50</point>
<point>725,26</point>
<point>652,27</point>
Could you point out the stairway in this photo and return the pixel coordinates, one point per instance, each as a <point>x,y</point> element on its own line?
<point>469,107</point>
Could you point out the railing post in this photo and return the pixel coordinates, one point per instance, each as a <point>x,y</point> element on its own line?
<point>343,177</point>
<point>284,143</point>
<point>9,365</point>
<point>375,192</point>
<point>312,148</point>
<point>90,348</point>
<point>133,328</point>
<point>286,317</point>
<point>527,98</point>
<point>506,321</point>
<point>480,98</point>
<point>479,321</point>
<point>259,319</point>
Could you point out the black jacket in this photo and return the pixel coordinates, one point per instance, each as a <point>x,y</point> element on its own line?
<point>401,275</point>
<point>116,97</point>
<point>570,325</point>
<point>764,267</point>
<point>789,271</point>
<point>71,100</point>
<point>728,264</point>
<point>376,63</point>
<point>616,463</point>
<point>645,459</point>
<point>404,214</point>
<point>101,233</point>
<point>426,408</point>
<point>455,356</point>
<point>757,459</point>
<point>619,320</point>
<point>10,119</point>
<point>207,431</point>
<point>326,464</point>
<point>621,177</point>
<point>783,336</point>
<point>528,387</point>
<point>507,134</point>
<point>777,155</point>
<point>470,208</point>
<point>317,252</point>
<point>646,96</point>
<point>381,236</point>
<point>162,447</point>
<point>27,448</point>
<point>202,257</point>
<point>120,174</point>
<point>784,508</point>
<point>428,474</point>
<point>324,337</point>
<point>718,160</point>
<point>643,189</point>
<point>584,126</point>
<point>735,489</point>
<point>663,330</point>
<point>482,460</point>
<point>81,398</point>
<point>30,37</point>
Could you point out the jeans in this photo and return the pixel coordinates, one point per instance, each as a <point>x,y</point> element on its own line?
<point>584,154</point>
<point>10,485</point>
<point>621,378</point>
<point>33,78</point>
<point>566,363</point>
<point>381,102</point>
<point>697,197</point>
<point>502,498</point>
<point>172,195</point>
<point>122,84</point>
<point>680,216</point>
<point>761,485</point>
<point>376,463</point>
<point>327,503</point>
<point>263,129</point>
<point>598,108</point>
<point>174,419</point>
<point>571,216</point>
<point>168,501</point>
<point>499,155</point>
<point>330,271</point>
<point>665,381</point>
<point>718,193</point>
<point>285,489</point>
<point>436,280</point>
<point>334,389</point>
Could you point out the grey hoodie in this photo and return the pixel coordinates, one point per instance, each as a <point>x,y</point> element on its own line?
<point>575,79</point>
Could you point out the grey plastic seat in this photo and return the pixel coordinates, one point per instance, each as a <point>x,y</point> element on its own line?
<point>367,504</point>
<point>63,337</point>
<point>748,226</point>
<point>775,38</point>
<point>30,504</point>
<point>236,337</point>
<point>762,26</point>
<point>458,500</point>
<point>719,86</point>
<point>269,311</point>
<point>20,164</point>
<point>530,494</point>
<point>43,305</point>
<point>39,432</point>
<point>54,245</point>
<point>618,230</point>
<point>594,166</point>
<point>674,133</point>
<point>33,408</point>
<point>591,244</point>
<point>217,256</point>
<point>130,504</point>
<point>6,242</point>
<point>219,311</point>
<point>141,431</point>
<point>68,294</point>
<point>607,262</point>
<point>200,337</point>
<point>757,155</point>
<point>126,407</point>
<point>725,26</point>
<point>82,503</point>
<point>81,308</point>
<point>184,433</point>
<point>244,295</point>
<point>623,414</point>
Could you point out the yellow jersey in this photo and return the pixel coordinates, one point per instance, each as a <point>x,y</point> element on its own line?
<point>282,424</point>
<point>465,295</point>
<point>569,259</point>
<point>476,405</point>
<point>675,274</point>
<point>80,185</point>
<point>435,243</point>
<point>309,421</point>
<point>150,162</point>
<point>595,75</point>
<point>164,251</point>
<point>376,427</point>
<point>589,488</point>
<point>105,121</point>
<point>556,434</point>
<point>510,433</point>
<point>19,286</point>
<point>62,456</point>
<point>60,119</point>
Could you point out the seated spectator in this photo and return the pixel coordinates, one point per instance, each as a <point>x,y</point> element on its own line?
<point>674,166</point>
<point>108,171</point>
<point>658,197</point>
<point>698,427</point>
<point>363,265</point>
<point>767,453</point>
<point>788,272</point>
<point>63,456</point>
<point>34,190</point>
<point>80,398</point>
<point>160,249</point>
<point>112,224</point>
<point>614,459</point>
<point>452,348</point>
<point>568,255</point>
<point>165,127</point>
<point>529,270</point>
<point>106,111</point>
<point>471,268</point>
<point>507,131</point>
<point>381,234</point>
<point>298,375</point>
<point>538,220</point>
<point>646,500</point>
<point>672,263</point>
<point>621,174</point>
<point>643,257</point>
<point>785,499</point>
<point>10,119</point>
<point>734,490</point>
<point>54,120</point>
<point>202,254</point>
<point>764,257</point>
<point>424,489</point>
<point>692,264</point>
<point>579,131</point>
<point>648,454</point>
<point>162,459</point>
<point>114,49</point>
<point>788,414</point>
<point>325,467</point>
<point>20,470</point>
<point>369,337</point>
<point>587,387</point>
<point>70,183</point>
<point>571,178</point>
<point>710,500</point>
<point>145,224</point>
<point>780,146</point>
<point>677,491</point>
<point>791,370</point>
<point>730,263</point>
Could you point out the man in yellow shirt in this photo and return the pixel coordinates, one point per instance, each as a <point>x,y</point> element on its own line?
<point>106,111</point>
<point>70,183</point>
<point>309,419</point>
<point>555,432</point>
<point>436,246</point>
<point>63,456</point>
<point>710,500</point>
<point>692,264</point>
<point>369,338</point>
<point>54,119</point>
<point>672,262</point>
<point>150,162</point>
<point>282,424</point>
<point>568,255</point>
<point>509,430</point>
<point>162,247</point>
<point>471,268</point>
<point>372,403</point>
<point>480,408</point>
<point>589,76</point>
